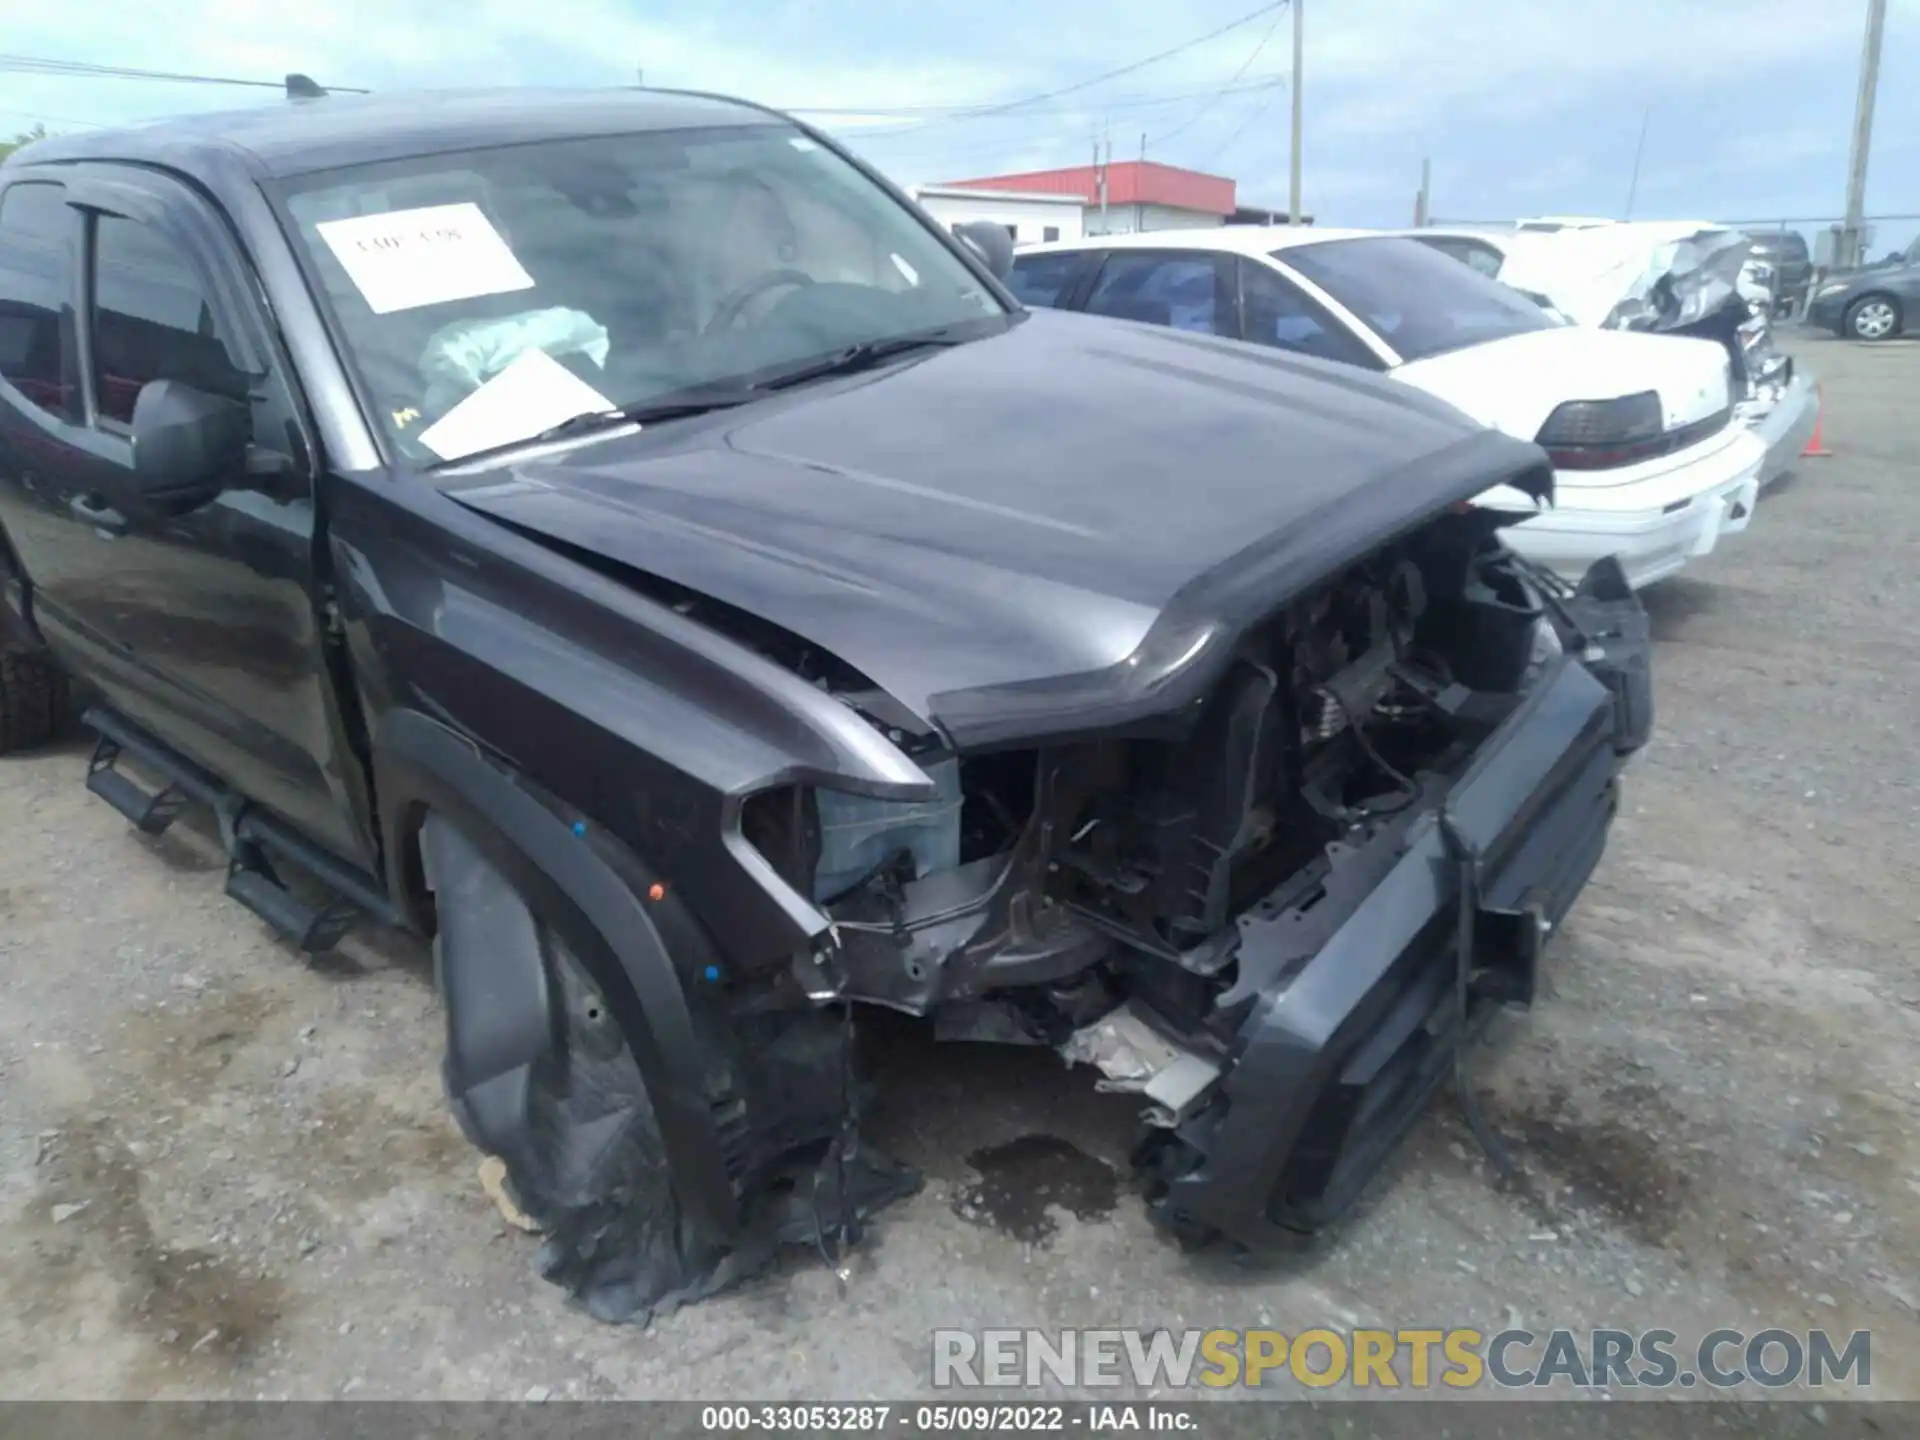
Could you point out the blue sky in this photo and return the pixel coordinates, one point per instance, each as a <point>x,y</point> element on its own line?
<point>1524,107</point>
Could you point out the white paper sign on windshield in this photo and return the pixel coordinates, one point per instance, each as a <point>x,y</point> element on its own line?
<point>407,258</point>
<point>534,392</point>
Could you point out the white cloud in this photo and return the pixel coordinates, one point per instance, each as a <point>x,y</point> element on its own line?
<point>1407,65</point>
<point>444,43</point>
<point>1518,101</point>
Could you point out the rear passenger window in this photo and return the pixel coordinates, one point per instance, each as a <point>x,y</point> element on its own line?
<point>1178,290</point>
<point>1471,253</point>
<point>36,294</point>
<point>1276,312</point>
<point>1040,279</point>
<point>152,320</point>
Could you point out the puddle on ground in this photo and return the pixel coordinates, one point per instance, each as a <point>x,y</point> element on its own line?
<point>1612,1164</point>
<point>1022,1180</point>
<point>93,1224</point>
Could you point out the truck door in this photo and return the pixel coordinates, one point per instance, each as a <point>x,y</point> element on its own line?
<point>202,627</point>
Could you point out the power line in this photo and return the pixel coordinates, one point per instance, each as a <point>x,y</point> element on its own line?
<point>1226,89</point>
<point>51,119</point>
<point>968,108</point>
<point>922,127</point>
<point>84,70</point>
<point>1003,107</point>
<point>1140,64</point>
<point>1257,111</point>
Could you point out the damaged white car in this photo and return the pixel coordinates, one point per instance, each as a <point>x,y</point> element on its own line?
<point>1679,277</point>
<point>1651,465</point>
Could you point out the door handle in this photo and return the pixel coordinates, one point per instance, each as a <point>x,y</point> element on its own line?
<point>91,510</point>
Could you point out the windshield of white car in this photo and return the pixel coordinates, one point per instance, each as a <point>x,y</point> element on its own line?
<point>488,296</point>
<point>1417,300</point>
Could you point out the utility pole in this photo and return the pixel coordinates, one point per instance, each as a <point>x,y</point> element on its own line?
<point>1633,182</point>
<point>1423,202</point>
<point>1139,190</point>
<point>1852,246</point>
<point>1104,168</point>
<point>1293,189</point>
<point>1085,228</point>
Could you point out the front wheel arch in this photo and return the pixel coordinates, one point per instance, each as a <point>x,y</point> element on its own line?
<point>567,878</point>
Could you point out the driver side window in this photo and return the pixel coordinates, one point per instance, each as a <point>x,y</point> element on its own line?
<point>152,320</point>
<point>37,352</point>
<point>152,317</point>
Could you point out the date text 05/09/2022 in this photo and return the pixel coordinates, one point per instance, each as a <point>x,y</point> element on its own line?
<point>938,1419</point>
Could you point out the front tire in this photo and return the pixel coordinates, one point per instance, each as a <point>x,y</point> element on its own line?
<point>33,699</point>
<point>595,1178</point>
<point>1873,318</point>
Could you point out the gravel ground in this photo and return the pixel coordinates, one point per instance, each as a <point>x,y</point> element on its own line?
<point>224,1172</point>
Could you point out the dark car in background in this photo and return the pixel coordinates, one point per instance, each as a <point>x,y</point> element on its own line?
<point>1876,303</point>
<point>1784,253</point>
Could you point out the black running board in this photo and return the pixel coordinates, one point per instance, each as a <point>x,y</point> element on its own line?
<point>253,838</point>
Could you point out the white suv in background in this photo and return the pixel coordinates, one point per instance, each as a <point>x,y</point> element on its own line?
<point>1650,466</point>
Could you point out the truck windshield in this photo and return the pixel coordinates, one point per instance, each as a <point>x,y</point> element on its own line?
<point>1416,299</point>
<point>485,297</point>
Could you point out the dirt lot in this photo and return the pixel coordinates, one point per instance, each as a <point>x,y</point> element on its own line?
<point>227,1173</point>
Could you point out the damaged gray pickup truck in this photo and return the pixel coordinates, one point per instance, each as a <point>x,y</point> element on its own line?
<point>622,538</point>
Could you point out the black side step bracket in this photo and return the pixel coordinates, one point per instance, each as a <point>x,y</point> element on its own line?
<point>151,813</point>
<point>313,928</point>
<point>253,838</point>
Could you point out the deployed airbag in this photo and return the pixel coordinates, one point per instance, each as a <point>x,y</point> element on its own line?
<point>462,357</point>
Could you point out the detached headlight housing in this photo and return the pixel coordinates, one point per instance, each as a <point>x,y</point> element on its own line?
<point>859,835</point>
<point>1602,434</point>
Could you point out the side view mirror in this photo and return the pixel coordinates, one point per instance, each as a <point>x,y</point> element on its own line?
<point>187,446</point>
<point>991,243</point>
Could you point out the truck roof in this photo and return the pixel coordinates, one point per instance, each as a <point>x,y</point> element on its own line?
<point>298,137</point>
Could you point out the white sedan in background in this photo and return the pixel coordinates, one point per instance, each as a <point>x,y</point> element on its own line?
<point>1649,464</point>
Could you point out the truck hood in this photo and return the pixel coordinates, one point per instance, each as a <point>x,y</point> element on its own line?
<point>1516,383</point>
<point>1067,508</point>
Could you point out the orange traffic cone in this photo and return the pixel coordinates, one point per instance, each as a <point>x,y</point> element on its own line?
<point>1817,442</point>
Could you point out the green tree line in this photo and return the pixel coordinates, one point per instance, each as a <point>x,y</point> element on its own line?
<point>7,147</point>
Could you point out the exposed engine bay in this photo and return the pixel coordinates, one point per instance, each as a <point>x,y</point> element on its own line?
<point>1092,895</point>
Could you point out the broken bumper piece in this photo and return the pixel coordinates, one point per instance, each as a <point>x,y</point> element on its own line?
<point>1783,420</point>
<point>1356,998</point>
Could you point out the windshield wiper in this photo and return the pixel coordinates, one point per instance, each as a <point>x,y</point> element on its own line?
<point>862,356</point>
<point>671,406</point>
<point>697,401</point>
<point>668,407</point>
